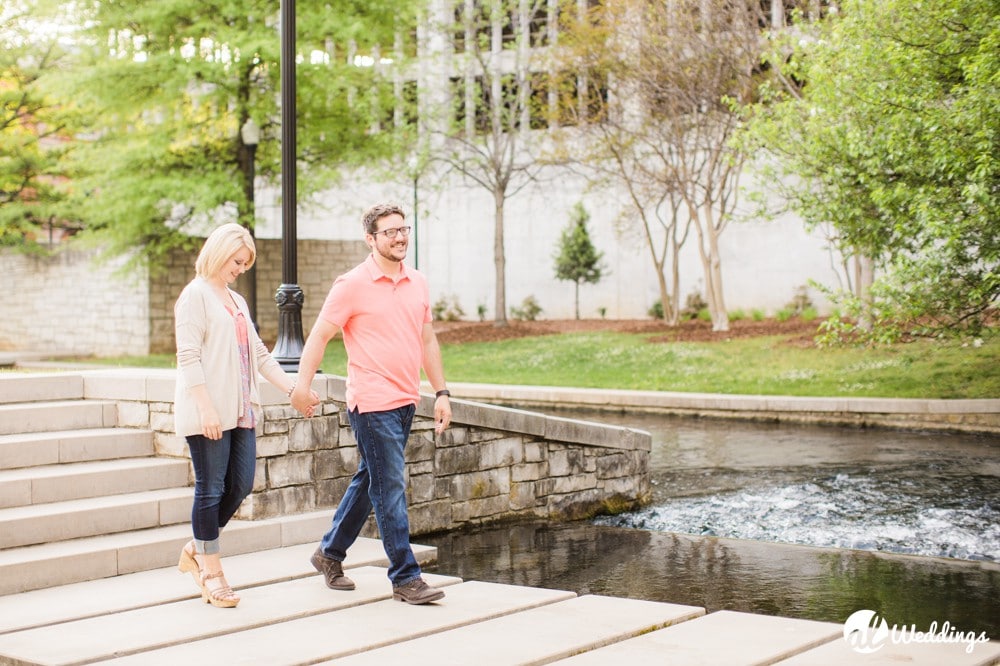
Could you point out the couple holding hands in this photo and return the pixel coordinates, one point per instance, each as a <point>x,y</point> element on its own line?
<point>382,307</point>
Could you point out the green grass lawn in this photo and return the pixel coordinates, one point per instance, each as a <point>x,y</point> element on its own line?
<point>921,369</point>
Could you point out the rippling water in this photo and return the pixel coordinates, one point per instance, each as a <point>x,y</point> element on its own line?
<point>843,511</point>
<point>913,493</point>
<point>869,493</point>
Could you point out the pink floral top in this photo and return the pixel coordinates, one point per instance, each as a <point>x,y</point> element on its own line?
<point>246,418</point>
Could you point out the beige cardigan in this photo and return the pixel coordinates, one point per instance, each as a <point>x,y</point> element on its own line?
<point>208,353</point>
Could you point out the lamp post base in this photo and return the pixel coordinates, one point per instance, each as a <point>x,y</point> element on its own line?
<point>288,348</point>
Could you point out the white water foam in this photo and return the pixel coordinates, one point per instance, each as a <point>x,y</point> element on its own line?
<point>842,511</point>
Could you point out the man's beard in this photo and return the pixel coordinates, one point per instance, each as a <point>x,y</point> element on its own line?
<point>387,254</point>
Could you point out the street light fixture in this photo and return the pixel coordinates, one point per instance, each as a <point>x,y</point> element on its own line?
<point>289,297</point>
<point>414,166</point>
<point>250,136</point>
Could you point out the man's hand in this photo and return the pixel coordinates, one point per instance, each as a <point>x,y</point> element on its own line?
<point>304,400</point>
<point>442,413</point>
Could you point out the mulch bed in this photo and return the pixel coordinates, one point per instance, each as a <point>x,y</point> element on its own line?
<point>799,332</point>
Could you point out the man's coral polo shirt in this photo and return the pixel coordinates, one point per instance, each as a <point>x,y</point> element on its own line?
<point>382,321</point>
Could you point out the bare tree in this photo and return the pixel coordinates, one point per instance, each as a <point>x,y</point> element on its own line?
<point>481,132</point>
<point>678,73</point>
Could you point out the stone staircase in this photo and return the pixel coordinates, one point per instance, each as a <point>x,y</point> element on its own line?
<point>82,498</point>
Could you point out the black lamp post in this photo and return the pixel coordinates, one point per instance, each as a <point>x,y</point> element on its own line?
<point>289,297</point>
<point>250,135</point>
<point>415,172</point>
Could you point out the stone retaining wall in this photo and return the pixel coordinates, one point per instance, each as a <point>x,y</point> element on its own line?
<point>73,302</point>
<point>493,464</point>
<point>319,262</point>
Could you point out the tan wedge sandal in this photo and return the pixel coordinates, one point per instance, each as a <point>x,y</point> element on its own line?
<point>220,596</point>
<point>187,563</point>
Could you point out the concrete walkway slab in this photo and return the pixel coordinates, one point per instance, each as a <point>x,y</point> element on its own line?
<point>340,633</point>
<point>166,585</point>
<point>723,638</point>
<point>839,652</point>
<point>536,636</point>
<point>137,631</point>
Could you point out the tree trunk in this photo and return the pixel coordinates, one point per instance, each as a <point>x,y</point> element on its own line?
<point>720,318</point>
<point>674,318</point>
<point>864,276</point>
<point>500,262</point>
<point>712,267</point>
<point>577,289</point>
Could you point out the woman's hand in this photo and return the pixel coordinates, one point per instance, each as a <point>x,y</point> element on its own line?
<point>211,426</point>
<point>304,401</point>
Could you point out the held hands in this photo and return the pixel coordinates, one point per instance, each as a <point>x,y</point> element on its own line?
<point>304,400</point>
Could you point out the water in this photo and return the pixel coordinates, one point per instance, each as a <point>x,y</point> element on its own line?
<point>798,521</point>
<point>914,493</point>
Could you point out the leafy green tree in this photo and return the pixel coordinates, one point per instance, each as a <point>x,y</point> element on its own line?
<point>894,141</point>
<point>169,85</point>
<point>577,260</point>
<point>34,131</point>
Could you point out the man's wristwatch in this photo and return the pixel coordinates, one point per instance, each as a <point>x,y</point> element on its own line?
<point>442,392</point>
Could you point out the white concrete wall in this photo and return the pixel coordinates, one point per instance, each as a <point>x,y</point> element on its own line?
<point>764,263</point>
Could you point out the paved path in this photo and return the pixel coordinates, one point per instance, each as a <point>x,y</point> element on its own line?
<point>287,616</point>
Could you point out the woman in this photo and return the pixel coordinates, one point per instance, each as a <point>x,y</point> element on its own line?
<point>219,356</point>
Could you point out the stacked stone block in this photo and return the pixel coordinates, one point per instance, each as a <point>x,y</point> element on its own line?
<point>492,465</point>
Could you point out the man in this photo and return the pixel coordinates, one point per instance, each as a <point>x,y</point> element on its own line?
<point>383,308</point>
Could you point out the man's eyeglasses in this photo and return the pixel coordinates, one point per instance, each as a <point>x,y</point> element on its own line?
<point>391,233</point>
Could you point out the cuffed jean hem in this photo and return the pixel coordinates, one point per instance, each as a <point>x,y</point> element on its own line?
<point>207,547</point>
<point>329,556</point>
<point>405,582</point>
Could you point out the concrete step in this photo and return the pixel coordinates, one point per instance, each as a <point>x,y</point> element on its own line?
<point>69,481</point>
<point>57,415</point>
<point>89,558</point>
<point>70,446</point>
<point>39,386</point>
<point>71,519</point>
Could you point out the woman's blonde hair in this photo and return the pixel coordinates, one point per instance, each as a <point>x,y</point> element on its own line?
<point>222,244</point>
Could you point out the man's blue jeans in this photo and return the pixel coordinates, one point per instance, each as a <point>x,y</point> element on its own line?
<point>379,483</point>
<point>223,477</point>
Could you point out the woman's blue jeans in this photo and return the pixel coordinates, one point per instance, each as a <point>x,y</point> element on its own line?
<point>223,477</point>
<point>379,483</point>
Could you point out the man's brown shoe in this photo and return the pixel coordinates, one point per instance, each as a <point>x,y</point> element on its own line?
<point>416,592</point>
<point>332,570</point>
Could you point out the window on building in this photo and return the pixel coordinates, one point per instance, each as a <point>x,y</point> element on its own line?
<point>406,112</point>
<point>538,26</point>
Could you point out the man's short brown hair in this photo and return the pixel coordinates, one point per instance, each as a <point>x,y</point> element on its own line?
<point>377,212</point>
